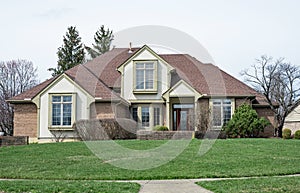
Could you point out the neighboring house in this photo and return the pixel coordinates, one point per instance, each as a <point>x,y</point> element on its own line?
<point>175,90</point>
<point>292,121</point>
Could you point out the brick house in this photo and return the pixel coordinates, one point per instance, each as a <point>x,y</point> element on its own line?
<point>153,89</point>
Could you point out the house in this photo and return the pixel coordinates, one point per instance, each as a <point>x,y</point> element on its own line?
<point>153,89</point>
<point>292,121</point>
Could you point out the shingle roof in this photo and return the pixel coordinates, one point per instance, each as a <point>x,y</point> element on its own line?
<point>100,75</point>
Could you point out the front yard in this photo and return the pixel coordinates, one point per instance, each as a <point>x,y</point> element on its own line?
<point>226,158</point>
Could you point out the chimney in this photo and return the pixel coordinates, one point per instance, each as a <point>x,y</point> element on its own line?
<point>130,48</point>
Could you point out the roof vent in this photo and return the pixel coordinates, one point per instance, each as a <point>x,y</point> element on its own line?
<point>130,48</point>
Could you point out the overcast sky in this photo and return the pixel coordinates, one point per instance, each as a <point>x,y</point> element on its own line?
<point>234,32</point>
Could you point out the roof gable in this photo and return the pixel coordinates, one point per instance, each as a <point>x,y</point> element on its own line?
<point>145,53</point>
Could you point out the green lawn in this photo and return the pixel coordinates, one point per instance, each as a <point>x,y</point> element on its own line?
<point>227,158</point>
<point>51,186</point>
<point>270,184</point>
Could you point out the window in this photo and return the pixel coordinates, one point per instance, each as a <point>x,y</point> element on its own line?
<point>145,75</point>
<point>134,112</point>
<point>221,111</point>
<point>61,108</point>
<point>145,117</point>
<point>156,116</point>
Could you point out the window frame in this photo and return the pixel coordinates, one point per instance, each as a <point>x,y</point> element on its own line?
<point>222,105</point>
<point>151,111</point>
<point>145,90</point>
<point>73,111</point>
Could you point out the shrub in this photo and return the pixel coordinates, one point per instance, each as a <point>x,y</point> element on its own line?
<point>297,134</point>
<point>245,123</point>
<point>286,133</point>
<point>160,128</point>
<point>104,129</point>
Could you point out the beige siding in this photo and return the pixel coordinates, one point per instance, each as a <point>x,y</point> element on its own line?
<point>294,115</point>
<point>293,126</point>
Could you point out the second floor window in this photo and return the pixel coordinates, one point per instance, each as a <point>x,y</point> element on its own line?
<point>145,76</point>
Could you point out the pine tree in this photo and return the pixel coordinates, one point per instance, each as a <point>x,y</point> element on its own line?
<point>103,39</point>
<point>71,53</point>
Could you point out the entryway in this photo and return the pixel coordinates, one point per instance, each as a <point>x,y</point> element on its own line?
<point>183,117</point>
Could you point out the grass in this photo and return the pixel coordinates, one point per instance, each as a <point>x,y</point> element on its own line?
<point>227,158</point>
<point>51,186</point>
<point>263,185</point>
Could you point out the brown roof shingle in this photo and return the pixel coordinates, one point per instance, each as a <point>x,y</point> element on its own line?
<point>100,75</point>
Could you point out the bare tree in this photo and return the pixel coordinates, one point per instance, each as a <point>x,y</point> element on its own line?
<point>16,76</point>
<point>279,82</point>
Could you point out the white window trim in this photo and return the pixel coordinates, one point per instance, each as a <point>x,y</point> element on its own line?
<point>211,107</point>
<point>73,113</point>
<point>154,90</point>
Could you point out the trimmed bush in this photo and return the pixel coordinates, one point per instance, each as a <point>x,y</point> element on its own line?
<point>245,123</point>
<point>105,129</point>
<point>297,134</point>
<point>160,128</point>
<point>286,133</point>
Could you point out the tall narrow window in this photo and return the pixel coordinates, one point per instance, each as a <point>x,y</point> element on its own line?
<point>156,116</point>
<point>62,110</point>
<point>145,76</point>
<point>134,112</point>
<point>145,117</point>
<point>221,111</point>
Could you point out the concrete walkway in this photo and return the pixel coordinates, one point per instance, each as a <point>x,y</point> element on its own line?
<point>170,186</point>
<point>176,186</point>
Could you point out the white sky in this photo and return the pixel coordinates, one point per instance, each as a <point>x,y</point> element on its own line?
<point>234,32</point>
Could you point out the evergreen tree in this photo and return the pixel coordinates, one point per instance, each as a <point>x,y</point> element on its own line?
<point>245,123</point>
<point>70,54</point>
<point>103,39</point>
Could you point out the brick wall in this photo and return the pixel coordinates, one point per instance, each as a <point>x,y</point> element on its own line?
<point>109,111</point>
<point>25,120</point>
<point>240,101</point>
<point>267,113</point>
<point>160,135</point>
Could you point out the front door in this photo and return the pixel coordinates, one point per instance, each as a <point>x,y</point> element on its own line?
<point>182,117</point>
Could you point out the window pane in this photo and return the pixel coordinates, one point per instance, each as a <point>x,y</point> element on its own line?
<point>139,79</point>
<point>135,114</point>
<point>227,101</point>
<point>216,102</point>
<point>140,65</point>
<point>67,98</point>
<point>217,116</point>
<point>145,116</point>
<point>149,79</point>
<point>67,114</point>
<point>56,98</point>
<point>183,106</point>
<point>156,116</point>
<point>149,66</point>
<point>56,114</point>
<point>226,114</point>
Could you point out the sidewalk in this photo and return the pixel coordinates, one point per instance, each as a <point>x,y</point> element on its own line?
<point>170,186</point>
